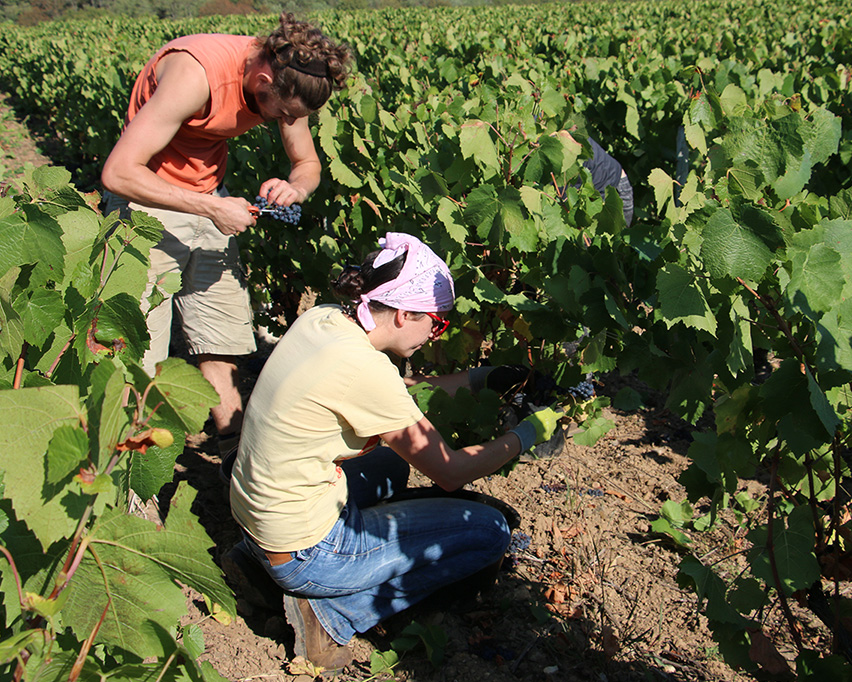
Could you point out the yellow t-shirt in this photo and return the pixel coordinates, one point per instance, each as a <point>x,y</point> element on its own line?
<point>324,395</point>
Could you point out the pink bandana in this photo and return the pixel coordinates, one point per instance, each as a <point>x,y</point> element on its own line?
<point>424,285</point>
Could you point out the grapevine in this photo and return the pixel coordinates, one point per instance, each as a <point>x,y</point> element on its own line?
<point>740,161</point>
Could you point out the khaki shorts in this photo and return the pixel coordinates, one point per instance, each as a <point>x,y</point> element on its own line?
<point>213,302</point>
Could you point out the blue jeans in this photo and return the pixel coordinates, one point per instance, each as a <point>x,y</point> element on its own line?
<point>379,559</point>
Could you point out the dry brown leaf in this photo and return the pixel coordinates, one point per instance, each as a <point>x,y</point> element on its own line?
<point>301,666</point>
<point>556,536</point>
<point>557,593</point>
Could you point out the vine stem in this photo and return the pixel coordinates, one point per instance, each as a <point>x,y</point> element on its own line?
<point>11,561</point>
<point>55,363</point>
<point>812,501</point>
<point>19,369</point>
<point>87,645</point>
<point>835,528</point>
<point>783,325</point>
<point>166,666</point>
<point>77,668</point>
<point>770,548</point>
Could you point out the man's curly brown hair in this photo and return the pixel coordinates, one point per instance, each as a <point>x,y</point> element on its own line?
<point>301,43</point>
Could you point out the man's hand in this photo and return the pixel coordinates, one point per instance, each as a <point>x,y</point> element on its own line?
<point>231,215</point>
<point>281,192</point>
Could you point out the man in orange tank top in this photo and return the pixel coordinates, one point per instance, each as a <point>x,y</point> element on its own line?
<point>195,94</point>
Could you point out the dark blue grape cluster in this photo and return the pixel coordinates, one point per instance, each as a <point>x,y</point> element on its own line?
<point>583,391</point>
<point>520,541</point>
<point>287,214</point>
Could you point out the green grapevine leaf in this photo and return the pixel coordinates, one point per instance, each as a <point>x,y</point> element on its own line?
<point>708,586</point>
<point>135,581</point>
<point>663,526</point>
<point>80,229</point>
<point>186,396</point>
<point>193,640</point>
<point>817,276</point>
<point>819,140</point>
<point>476,143</point>
<point>66,451</point>
<point>734,249</point>
<point>382,662</point>
<point>120,325</point>
<point>816,666</point>
<point>835,338</point>
<point>678,514</point>
<point>821,406</point>
<point>450,216</point>
<point>343,174</point>
<point>798,422</point>
<point>793,547</point>
<point>43,312</point>
<point>11,326</point>
<point>682,300</point>
<point>837,233</point>
<point>663,188</point>
<point>733,100</point>
<point>593,430</point>
<point>628,400</point>
<point>12,646</point>
<point>740,355</point>
<point>481,209</point>
<point>34,240</point>
<point>150,471</point>
<point>109,418</point>
<point>748,595</point>
<point>28,419</point>
<point>752,144</point>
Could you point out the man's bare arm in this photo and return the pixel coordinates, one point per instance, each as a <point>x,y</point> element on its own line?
<point>305,165</point>
<point>182,90</point>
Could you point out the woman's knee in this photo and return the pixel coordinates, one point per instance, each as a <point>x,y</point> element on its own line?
<point>491,532</point>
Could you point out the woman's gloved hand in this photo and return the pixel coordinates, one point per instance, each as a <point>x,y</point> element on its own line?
<point>503,378</point>
<point>537,427</point>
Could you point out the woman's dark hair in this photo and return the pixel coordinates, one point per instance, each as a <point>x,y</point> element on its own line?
<point>362,279</point>
<point>304,62</point>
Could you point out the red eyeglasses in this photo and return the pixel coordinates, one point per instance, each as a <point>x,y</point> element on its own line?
<point>439,325</point>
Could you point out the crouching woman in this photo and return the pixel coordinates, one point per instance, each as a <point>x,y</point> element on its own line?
<point>309,474</point>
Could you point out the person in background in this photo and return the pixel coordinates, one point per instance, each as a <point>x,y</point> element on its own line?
<point>607,172</point>
<point>196,93</point>
<point>309,473</point>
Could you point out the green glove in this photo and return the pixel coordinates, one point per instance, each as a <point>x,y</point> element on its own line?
<point>538,427</point>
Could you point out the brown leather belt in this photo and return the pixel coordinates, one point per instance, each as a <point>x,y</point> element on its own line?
<point>278,558</point>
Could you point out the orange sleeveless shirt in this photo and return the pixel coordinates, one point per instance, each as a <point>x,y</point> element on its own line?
<point>196,157</point>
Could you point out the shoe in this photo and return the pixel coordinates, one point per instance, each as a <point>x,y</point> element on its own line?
<point>312,641</point>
